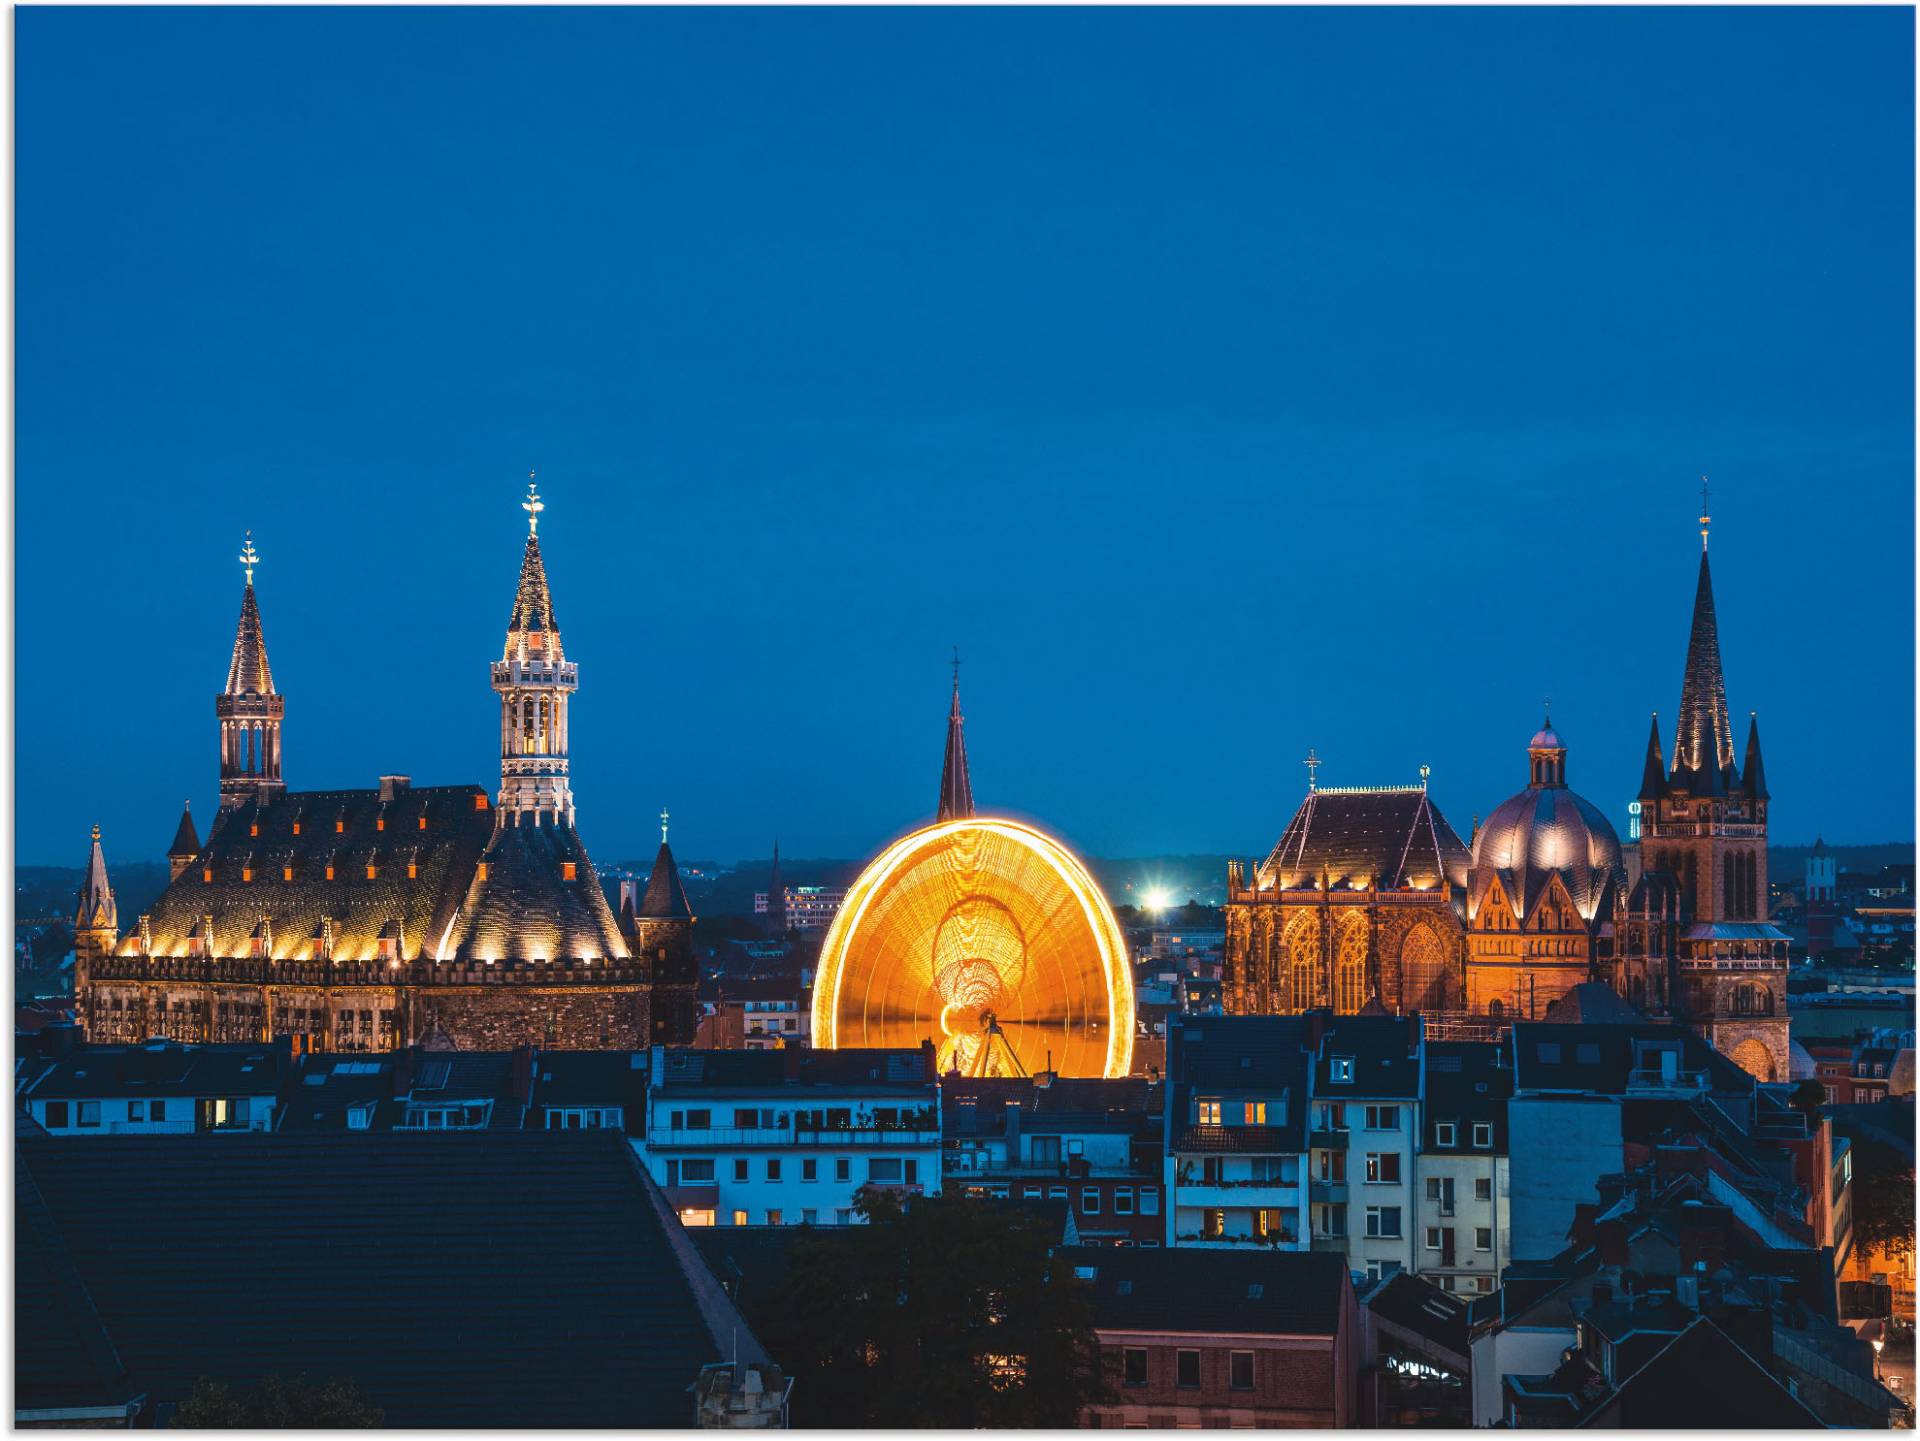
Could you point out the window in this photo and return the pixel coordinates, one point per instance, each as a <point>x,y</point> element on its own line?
<point>746,1120</point>
<point>809,1217</point>
<point>1134,1365</point>
<point>1187,1370</point>
<point>1123,1200</point>
<point>696,1173</point>
<point>809,1169</point>
<point>1212,1224</point>
<point>1331,1118</point>
<point>1483,1238</point>
<point>1090,1201</point>
<point>842,1168</point>
<point>136,1110</point>
<point>843,1216</point>
<point>696,1120</point>
<point>884,1169</point>
<point>1446,1134</point>
<point>89,1113</point>
<point>1330,1221</point>
<point>1483,1135</point>
<point>1383,1167</point>
<point>773,1168</point>
<point>1483,1284</point>
<point>739,1218</point>
<point>740,1168</point>
<point>1383,1118</point>
<point>1433,1238</point>
<point>1268,1224</point>
<point>1056,1193</point>
<point>1240,1370</point>
<point>1208,1112</point>
<point>1149,1201</point>
<point>1256,1113</point>
<point>56,1114</point>
<point>1483,1189</point>
<point>1340,1070</point>
<point>773,1218</point>
<point>1383,1221</point>
<point>1331,1165</point>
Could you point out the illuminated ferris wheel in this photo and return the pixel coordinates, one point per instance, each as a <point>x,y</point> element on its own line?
<point>987,938</point>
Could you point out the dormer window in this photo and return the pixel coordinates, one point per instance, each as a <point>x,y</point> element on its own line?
<point>482,870</point>
<point>296,828</point>
<point>423,822</point>
<point>413,870</point>
<point>1207,1111</point>
<point>286,873</point>
<point>1340,1070</point>
<point>329,870</point>
<point>254,829</point>
<point>379,823</point>
<point>480,802</point>
<point>568,871</point>
<point>373,871</point>
<point>207,875</point>
<point>340,827</point>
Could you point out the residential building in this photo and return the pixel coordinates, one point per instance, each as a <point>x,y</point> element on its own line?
<point>1368,1084</point>
<point>1236,1098</point>
<point>808,908</point>
<point>789,1137</point>
<point>459,1281</point>
<point>1092,1146</point>
<point>1461,1219</point>
<point>773,1010</point>
<point>161,1088</point>
<point>1416,1361</point>
<point>1222,1339</point>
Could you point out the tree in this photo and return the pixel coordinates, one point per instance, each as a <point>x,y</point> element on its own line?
<point>947,1311</point>
<point>278,1403</point>
<point>1882,1197</point>
<point>1808,1097</point>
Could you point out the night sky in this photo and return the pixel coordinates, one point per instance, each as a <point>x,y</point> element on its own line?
<point>1221,382</point>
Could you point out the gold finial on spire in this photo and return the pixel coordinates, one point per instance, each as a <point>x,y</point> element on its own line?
<point>1425,771</point>
<point>532,505</point>
<point>663,825</point>
<point>249,557</point>
<point>1312,764</point>
<point>96,830</point>
<point>1705,519</point>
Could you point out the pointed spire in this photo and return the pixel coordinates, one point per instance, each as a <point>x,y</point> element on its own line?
<point>186,840</point>
<point>1754,775</point>
<point>956,785</point>
<point>665,898</point>
<point>249,673</point>
<point>1653,775</point>
<point>95,909</point>
<point>1703,737</point>
<point>532,632</point>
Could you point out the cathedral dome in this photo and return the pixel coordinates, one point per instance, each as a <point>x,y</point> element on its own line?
<point>1547,828</point>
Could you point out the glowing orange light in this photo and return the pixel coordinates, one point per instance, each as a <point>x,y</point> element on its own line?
<point>988,938</point>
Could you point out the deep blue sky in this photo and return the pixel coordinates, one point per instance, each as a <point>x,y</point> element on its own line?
<point>1223,382</point>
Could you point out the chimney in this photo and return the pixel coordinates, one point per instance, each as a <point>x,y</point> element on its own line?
<point>1012,1114</point>
<point>1580,1233</point>
<point>1702,1247</point>
<point>1611,1237</point>
<point>391,786</point>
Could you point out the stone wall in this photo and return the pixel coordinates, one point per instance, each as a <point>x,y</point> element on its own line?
<point>498,1018</point>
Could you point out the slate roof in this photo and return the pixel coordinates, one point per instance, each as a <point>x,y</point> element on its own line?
<point>1599,1058</point>
<point>665,898</point>
<point>1393,836</point>
<point>1591,1003</point>
<point>523,909</point>
<point>463,1280</point>
<point>691,1072</point>
<point>1227,1056</point>
<point>348,829</point>
<point>186,840</point>
<point>63,1357</point>
<point>1385,1052</point>
<point>330,1085</point>
<point>589,1078</point>
<point>532,632</point>
<point>1202,1291</point>
<point>253,1069</point>
<point>1468,1083</point>
<point>1703,1380</point>
<point>1423,1308</point>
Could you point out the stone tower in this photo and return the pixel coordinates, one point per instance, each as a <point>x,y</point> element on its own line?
<point>659,925</point>
<point>1703,821</point>
<point>249,709</point>
<point>534,681</point>
<point>96,918</point>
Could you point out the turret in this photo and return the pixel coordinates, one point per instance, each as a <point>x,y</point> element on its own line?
<point>535,683</point>
<point>186,843</point>
<point>96,917</point>
<point>249,709</point>
<point>659,924</point>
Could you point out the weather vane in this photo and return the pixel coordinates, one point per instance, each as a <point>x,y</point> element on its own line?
<point>1705,519</point>
<point>663,825</point>
<point>1425,771</point>
<point>532,505</point>
<point>1313,765</point>
<point>249,558</point>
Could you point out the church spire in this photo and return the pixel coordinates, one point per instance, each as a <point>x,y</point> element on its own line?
<point>1653,775</point>
<point>535,683</point>
<point>956,786</point>
<point>249,708</point>
<point>1752,775</point>
<point>186,843</point>
<point>1703,737</point>
<point>94,909</point>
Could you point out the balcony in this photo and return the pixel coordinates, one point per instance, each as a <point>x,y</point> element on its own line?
<point>1226,1195</point>
<point>1272,1241</point>
<point>736,1136</point>
<point>868,1136</point>
<point>1328,1140</point>
<point>1686,1082</point>
<point>1335,1244</point>
<point>1334,1192</point>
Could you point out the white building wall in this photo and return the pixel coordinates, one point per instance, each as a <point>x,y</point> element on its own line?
<point>1512,1351</point>
<point>1470,1216</point>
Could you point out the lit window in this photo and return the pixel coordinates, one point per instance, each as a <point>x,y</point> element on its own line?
<point>567,871</point>
<point>1209,1112</point>
<point>1340,1070</point>
<point>739,1218</point>
<point>286,873</point>
<point>1256,1113</point>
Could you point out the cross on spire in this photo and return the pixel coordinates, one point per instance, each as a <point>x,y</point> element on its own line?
<point>663,825</point>
<point>249,557</point>
<point>1705,518</point>
<point>956,667</point>
<point>1312,764</point>
<point>532,505</point>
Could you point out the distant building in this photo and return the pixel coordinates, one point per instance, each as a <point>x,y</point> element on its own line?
<point>161,1088</point>
<point>808,908</point>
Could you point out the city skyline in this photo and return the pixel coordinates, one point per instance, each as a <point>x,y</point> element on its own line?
<point>1196,475</point>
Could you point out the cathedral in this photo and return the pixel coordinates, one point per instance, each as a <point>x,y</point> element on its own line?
<point>1370,903</point>
<point>366,920</point>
